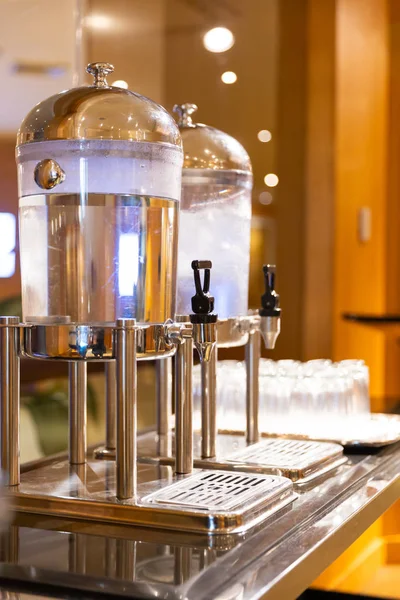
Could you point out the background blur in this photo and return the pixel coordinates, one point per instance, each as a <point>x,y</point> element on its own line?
<point>315,103</point>
<point>319,79</point>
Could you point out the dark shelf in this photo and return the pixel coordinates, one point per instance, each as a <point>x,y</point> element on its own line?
<point>371,318</point>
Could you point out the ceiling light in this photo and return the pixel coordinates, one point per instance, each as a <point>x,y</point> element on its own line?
<point>219,39</point>
<point>271,180</point>
<point>120,83</point>
<point>229,77</point>
<point>98,21</point>
<point>264,135</point>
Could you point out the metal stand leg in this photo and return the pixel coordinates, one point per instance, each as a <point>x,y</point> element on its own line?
<point>77,553</point>
<point>9,545</point>
<point>111,399</point>
<point>164,405</point>
<point>77,412</point>
<point>209,405</point>
<point>253,354</point>
<point>126,408</point>
<point>182,565</point>
<point>107,452</point>
<point>77,481</point>
<point>126,560</point>
<point>207,557</point>
<point>184,407</point>
<point>9,399</point>
<point>110,556</point>
<point>163,395</point>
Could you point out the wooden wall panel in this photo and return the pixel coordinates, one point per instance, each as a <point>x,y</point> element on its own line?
<point>134,43</point>
<point>320,194</point>
<point>392,371</point>
<point>291,167</point>
<point>360,174</point>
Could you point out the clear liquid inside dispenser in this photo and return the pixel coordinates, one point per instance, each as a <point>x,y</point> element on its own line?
<point>93,256</point>
<point>215,222</point>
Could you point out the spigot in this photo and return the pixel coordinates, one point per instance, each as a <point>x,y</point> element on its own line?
<point>203,321</point>
<point>270,313</point>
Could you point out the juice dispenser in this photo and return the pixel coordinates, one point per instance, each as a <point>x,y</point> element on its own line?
<point>215,217</point>
<point>217,184</point>
<point>99,173</point>
<point>216,197</point>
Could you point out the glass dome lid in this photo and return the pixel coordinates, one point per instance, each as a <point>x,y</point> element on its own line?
<point>99,112</point>
<point>205,147</point>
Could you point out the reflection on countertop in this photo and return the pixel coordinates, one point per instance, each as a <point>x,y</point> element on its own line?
<point>281,557</point>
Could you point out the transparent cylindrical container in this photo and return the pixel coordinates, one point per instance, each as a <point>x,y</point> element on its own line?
<point>99,172</point>
<point>215,217</point>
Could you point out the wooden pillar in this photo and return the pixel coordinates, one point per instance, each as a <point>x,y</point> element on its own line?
<point>317,308</point>
<point>361,118</point>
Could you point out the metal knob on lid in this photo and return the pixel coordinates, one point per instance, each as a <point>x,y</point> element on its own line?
<point>185,112</point>
<point>100,70</point>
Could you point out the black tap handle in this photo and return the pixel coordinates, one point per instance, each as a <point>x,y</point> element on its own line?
<point>270,300</point>
<point>202,301</point>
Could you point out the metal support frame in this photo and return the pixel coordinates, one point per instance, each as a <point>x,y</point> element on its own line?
<point>9,399</point>
<point>126,408</point>
<point>209,405</point>
<point>184,407</point>
<point>163,395</point>
<point>183,557</point>
<point>10,545</point>
<point>77,412</point>
<point>252,359</point>
<point>110,370</point>
<point>108,451</point>
<point>125,559</point>
<point>147,495</point>
<point>77,546</point>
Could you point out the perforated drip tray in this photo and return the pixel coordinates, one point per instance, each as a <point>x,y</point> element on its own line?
<point>296,459</point>
<point>217,491</point>
<point>300,460</point>
<point>204,502</point>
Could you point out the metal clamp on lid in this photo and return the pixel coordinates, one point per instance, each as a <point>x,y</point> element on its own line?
<point>204,323</point>
<point>270,312</point>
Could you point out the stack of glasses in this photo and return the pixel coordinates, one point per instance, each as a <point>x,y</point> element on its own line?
<point>289,389</point>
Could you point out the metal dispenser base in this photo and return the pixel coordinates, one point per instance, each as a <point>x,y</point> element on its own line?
<point>203,502</point>
<point>299,460</point>
<point>124,491</point>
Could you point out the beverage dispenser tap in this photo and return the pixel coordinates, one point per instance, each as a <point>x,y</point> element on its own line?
<point>205,339</point>
<point>270,313</point>
<point>201,333</point>
<point>204,322</point>
<point>266,324</point>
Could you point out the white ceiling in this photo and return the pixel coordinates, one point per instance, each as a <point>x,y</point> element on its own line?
<point>33,32</point>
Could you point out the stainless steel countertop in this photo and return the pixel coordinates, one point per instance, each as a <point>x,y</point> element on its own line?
<point>279,560</point>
